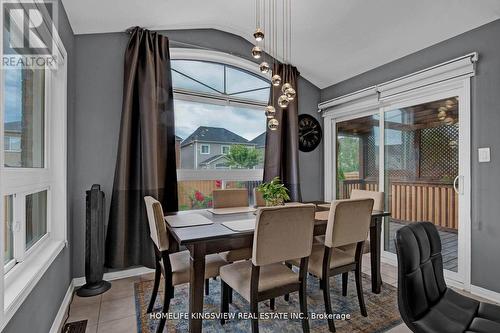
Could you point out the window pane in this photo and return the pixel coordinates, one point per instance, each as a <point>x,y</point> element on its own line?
<point>8,220</point>
<point>238,81</point>
<point>24,122</point>
<point>182,82</point>
<point>256,95</point>
<point>208,73</point>
<point>36,217</point>
<point>357,155</point>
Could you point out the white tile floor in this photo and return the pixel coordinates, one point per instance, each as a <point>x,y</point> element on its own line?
<point>114,311</point>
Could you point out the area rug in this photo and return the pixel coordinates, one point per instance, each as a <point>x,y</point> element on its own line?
<point>382,309</point>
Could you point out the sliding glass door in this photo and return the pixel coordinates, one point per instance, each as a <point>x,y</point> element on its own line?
<point>417,151</point>
<point>421,165</point>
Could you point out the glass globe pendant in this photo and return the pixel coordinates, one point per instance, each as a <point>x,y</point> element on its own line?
<point>285,87</point>
<point>276,80</point>
<point>264,67</point>
<point>256,52</point>
<point>273,124</point>
<point>270,111</point>
<point>290,94</point>
<point>258,35</point>
<point>283,101</point>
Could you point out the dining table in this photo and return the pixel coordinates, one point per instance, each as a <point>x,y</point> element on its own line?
<point>216,237</point>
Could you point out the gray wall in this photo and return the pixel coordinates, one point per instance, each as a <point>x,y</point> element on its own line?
<point>38,311</point>
<point>99,82</point>
<point>485,126</point>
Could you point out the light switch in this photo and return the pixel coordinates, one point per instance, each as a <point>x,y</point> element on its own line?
<point>483,155</point>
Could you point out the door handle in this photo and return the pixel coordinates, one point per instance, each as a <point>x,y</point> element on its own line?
<point>458,186</point>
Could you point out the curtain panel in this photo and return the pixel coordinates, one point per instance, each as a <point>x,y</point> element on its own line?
<point>146,163</point>
<point>282,145</point>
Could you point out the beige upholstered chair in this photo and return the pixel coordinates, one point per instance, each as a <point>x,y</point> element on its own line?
<point>232,198</point>
<point>281,233</point>
<point>378,204</point>
<point>348,224</point>
<point>259,198</point>
<point>173,266</point>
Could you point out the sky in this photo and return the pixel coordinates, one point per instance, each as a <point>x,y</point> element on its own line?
<point>12,95</point>
<point>246,122</point>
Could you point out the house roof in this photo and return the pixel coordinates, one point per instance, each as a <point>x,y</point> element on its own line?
<point>212,159</point>
<point>260,140</point>
<point>178,138</point>
<point>13,126</point>
<point>214,134</point>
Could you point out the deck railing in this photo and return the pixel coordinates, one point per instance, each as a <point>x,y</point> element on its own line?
<point>411,201</point>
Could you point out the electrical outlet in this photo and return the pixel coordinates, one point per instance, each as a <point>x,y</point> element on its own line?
<point>483,155</point>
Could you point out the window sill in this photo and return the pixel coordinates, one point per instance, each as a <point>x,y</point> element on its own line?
<point>22,278</point>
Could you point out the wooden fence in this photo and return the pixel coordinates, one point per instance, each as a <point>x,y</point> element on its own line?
<point>415,201</point>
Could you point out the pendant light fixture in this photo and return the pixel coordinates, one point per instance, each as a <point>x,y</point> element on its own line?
<point>268,44</point>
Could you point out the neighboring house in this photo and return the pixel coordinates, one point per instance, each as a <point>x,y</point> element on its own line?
<point>12,143</point>
<point>207,146</point>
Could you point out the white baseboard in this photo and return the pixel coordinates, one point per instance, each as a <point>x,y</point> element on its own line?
<point>78,282</point>
<point>485,293</point>
<point>63,309</point>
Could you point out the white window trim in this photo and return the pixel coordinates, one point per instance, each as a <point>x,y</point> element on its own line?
<point>204,145</point>
<point>17,284</point>
<point>222,149</point>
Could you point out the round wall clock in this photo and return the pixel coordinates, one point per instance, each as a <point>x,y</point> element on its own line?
<point>309,133</point>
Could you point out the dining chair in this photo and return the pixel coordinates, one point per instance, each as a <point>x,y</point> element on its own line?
<point>378,204</point>
<point>175,267</point>
<point>258,198</point>
<point>348,224</point>
<point>229,198</point>
<point>281,233</point>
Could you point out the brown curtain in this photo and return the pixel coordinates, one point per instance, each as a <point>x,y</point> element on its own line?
<point>146,150</point>
<point>282,145</point>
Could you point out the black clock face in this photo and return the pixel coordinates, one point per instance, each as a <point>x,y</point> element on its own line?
<point>309,133</point>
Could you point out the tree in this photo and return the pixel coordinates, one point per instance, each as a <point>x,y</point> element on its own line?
<point>243,157</point>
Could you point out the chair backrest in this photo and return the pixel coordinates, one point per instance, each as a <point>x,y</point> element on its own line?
<point>157,226</point>
<point>348,222</point>
<point>259,198</point>
<point>421,281</point>
<point>378,197</point>
<point>283,233</point>
<point>234,197</point>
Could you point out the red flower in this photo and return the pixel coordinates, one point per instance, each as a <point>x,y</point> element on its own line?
<point>199,196</point>
<point>218,183</point>
<point>209,204</point>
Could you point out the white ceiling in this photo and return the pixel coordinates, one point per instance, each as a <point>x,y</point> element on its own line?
<point>333,40</point>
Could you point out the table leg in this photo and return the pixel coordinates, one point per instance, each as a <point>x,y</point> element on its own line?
<point>375,235</point>
<point>196,285</point>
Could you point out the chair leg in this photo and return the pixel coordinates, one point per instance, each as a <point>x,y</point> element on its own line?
<point>271,304</point>
<point>359,289</point>
<point>230,294</point>
<point>344,283</point>
<point>156,285</point>
<point>166,304</point>
<point>328,304</point>
<point>224,302</point>
<point>287,296</point>
<point>320,284</point>
<point>255,314</point>
<point>303,307</point>
<point>207,287</point>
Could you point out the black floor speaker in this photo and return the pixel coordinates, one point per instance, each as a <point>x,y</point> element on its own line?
<point>94,244</point>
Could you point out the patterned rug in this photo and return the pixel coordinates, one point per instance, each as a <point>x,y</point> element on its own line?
<point>382,309</point>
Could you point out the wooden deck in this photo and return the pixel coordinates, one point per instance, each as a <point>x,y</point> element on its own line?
<point>449,241</point>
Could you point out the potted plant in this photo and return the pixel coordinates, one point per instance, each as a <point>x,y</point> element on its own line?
<point>274,192</point>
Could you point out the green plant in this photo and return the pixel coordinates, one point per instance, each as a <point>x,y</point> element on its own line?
<point>199,200</point>
<point>274,192</point>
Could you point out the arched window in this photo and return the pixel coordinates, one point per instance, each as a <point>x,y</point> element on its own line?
<point>220,123</point>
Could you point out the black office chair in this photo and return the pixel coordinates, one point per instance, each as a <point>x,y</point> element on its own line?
<point>425,302</point>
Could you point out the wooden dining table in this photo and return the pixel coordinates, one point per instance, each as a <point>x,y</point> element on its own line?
<point>202,240</point>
